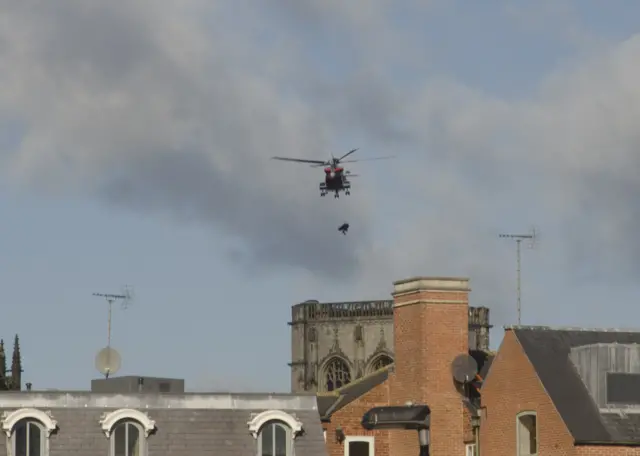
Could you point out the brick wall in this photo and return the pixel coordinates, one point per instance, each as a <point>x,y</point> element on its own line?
<point>511,387</point>
<point>606,451</point>
<point>349,419</point>
<point>431,318</point>
<point>467,428</point>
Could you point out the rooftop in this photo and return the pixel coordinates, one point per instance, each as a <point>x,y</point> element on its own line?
<point>549,351</point>
<point>378,309</point>
<point>82,399</point>
<point>570,328</point>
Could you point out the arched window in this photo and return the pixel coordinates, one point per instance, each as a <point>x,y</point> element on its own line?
<point>275,440</point>
<point>28,438</point>
<point>127,439</point>
<point>527,434</point>
<point>127,430</point>
<point>275,431</point>
<point>28,431</point>
<point>337,374</point>
<point>380,362</point>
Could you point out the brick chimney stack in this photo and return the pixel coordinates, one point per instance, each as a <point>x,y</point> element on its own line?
<point>431,328</point>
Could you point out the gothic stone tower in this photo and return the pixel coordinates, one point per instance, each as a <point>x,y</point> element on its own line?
<point>335,343</point>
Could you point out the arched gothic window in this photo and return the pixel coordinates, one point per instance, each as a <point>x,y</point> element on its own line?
<point>337,374</point>
<point>127,439</point>
<point>380,362</point>
<point>275,440</point>
<point>28,438</point>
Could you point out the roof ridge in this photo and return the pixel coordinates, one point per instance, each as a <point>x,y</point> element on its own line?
<point>569,328</point>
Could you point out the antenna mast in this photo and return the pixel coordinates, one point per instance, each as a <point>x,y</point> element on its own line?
<point>519,238</point>
<point>111,298</point>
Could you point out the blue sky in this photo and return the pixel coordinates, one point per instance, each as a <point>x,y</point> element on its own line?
<point>139,154</point>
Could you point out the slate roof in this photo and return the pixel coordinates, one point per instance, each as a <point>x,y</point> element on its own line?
<point>548,350</point>
<point>189,424</point>
<point>331,402</point>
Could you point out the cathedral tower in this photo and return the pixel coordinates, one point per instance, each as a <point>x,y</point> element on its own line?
<point>335,343</point>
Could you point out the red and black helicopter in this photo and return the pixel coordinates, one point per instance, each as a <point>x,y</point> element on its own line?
<point>335,176</point>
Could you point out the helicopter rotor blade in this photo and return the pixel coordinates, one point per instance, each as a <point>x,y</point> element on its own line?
<point>347,154</point>
<point>369,159</point>
<point>301,160</point>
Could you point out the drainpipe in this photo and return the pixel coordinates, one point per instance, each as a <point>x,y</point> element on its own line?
<point>475,424</point>
<point>423,438</point>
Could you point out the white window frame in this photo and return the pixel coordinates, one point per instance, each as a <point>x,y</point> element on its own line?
<point>141,436</point>
<point>519,416</point>
<point>289,436</point>
<point>44,420</point>
<point>470,449</point>
<point>360,438</point>
<point>141,420</point>
<point>259,420</point>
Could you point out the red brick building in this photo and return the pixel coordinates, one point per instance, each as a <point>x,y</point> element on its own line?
<point>566,391</point>
<point>546,391</point>
<point>431,325</point>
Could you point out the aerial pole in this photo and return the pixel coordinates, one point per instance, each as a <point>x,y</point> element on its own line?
<point>125,297</point>
<point>519,238</point>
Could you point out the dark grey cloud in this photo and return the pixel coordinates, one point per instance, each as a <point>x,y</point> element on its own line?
<point>193,190</point>
<point>568,152</point>
<point>145,108</point>
<point>172,107</point>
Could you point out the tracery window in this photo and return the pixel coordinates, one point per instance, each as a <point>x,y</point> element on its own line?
<point>380,362</point>
<point>337,374</point>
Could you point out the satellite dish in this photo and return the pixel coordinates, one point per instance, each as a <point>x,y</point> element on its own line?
<point>464,368</point>
<point>108,361</point>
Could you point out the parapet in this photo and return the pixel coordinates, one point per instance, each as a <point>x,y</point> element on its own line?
<point>439,284</point>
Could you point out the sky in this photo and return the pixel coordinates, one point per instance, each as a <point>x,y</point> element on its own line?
<point>135,145</point>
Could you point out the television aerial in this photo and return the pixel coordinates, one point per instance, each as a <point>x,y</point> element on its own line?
<point>126,297</point>
<point>108,360</point>
<point>532,239</point>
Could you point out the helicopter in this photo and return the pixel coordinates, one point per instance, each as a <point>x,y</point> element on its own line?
<point>335,176</point>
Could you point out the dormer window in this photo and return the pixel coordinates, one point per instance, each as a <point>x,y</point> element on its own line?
<point>622,388</point>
